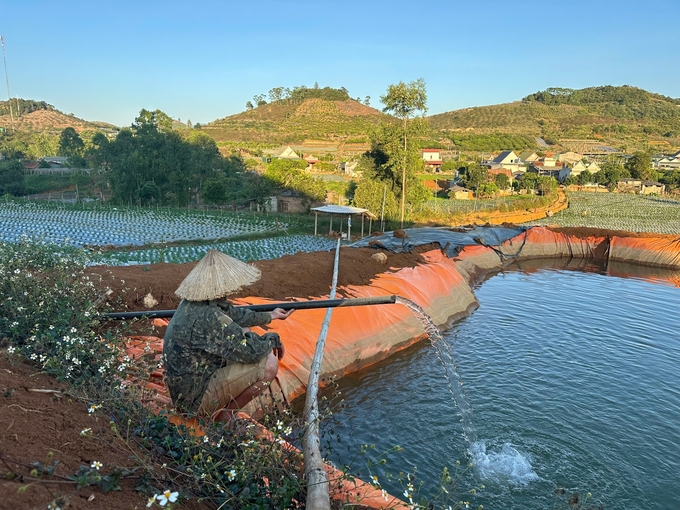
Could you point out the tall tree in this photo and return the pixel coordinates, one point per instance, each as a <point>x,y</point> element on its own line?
<point>404,100</point>
<point>70,143</point>
<point>640,165</point>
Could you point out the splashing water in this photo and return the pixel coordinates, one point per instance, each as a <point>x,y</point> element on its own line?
<point>455,382</point>
<point>507,464</point>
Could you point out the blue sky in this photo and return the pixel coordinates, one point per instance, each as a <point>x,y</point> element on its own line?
<point>202,60</point>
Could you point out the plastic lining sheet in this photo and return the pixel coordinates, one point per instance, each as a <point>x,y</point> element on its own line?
<point>663,251</point>
<point>361,336</point>
<point>453,240</point>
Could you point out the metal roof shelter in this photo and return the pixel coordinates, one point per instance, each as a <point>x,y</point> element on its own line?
<point>343,210</point>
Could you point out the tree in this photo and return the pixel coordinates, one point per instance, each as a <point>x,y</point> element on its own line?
<point>150,120</point>
<point>404,101</point>
<point>487,189</point>
<point>70,143</point>
<point>585,177</point>
<point>502,181</point>
<point>371,195</point>
<point>640,165</point>
<point>475,175</point>
<point>12,178</point>
<point>367,100</point>
<point>249,105</point>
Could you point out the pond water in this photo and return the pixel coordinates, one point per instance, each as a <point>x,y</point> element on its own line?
<point>571,379</point>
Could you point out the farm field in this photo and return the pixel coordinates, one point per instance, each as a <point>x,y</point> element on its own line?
<point>257,249</point>
<point>619,211</point>
<point>78,226</point>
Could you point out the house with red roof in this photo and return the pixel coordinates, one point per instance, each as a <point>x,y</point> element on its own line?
<point>433,159</point>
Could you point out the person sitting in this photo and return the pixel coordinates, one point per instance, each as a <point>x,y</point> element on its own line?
<point>214,364</point>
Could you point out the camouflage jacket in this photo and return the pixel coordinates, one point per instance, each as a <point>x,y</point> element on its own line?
<point>204,336</point>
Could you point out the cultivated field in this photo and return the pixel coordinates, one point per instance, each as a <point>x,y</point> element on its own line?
<point>619,211</point>
<point>73,225</point>
<point>257,249</point>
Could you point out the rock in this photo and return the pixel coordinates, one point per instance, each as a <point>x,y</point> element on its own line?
<point>150,301</point>
<point>380,257</point>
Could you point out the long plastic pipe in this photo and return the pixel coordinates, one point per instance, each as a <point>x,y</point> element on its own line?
<point>318,497</point>
<point>268,307</point>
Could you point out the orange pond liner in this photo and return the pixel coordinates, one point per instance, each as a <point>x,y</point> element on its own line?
<point>361,336</point>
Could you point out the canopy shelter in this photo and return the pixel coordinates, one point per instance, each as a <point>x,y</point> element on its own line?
<point>343,210</point>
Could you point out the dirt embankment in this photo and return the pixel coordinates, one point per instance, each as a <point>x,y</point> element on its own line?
<point>301,275</point>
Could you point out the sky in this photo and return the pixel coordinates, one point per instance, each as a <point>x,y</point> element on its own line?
<point>202,60</point>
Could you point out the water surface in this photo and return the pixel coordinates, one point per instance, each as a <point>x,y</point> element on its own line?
<point>573,380</point>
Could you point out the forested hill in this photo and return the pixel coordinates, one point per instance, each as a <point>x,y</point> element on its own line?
<point>39,117</point>
<point>625,115</point>
<point>293,116</point>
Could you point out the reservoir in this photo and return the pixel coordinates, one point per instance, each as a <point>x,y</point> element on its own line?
<point>570,379</point>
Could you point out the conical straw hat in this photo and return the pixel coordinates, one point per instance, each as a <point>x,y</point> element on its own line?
<point>215,276</point>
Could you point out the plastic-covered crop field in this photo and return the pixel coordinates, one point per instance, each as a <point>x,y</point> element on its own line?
<point>260,249</point>
<point>122,226</point>
<point>619,211</point>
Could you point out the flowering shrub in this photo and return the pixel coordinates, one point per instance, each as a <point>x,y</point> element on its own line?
<point>247,468</point>
<point>47,311</point>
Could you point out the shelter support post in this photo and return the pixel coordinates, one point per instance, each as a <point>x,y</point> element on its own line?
<point>362,225</point>
<point>316,222</point>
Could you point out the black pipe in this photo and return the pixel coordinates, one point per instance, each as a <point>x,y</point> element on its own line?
<point>295,305</point>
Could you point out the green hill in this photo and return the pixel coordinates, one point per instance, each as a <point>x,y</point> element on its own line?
<point>292,121</point>
<point>626,116</point>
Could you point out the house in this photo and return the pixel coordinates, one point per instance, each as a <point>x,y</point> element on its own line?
<point>30,165</point>
<point>552,169</point>
<point>460,193</point>
<point>569,158</point>
<point>279,153</point>
<point>640,187</point>
<point>432,159</point>
<point>669,162</point>
<point>350,168</point>
<point>311,161</point>
<point>495,171</point>
<point>290,201</point>
<point>528,156</point>
<point>506,159</point>
<point>581,167</point>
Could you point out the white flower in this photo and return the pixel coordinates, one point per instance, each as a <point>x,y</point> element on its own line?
<point>167,496</point>
<point>14,324</point>
<point>73,330</point>
<point>86,431</point>
<point>231,474</point>
<point>151,501</point>
<point>11,350</point>
<point>96,465</point>
<point>384,494</point>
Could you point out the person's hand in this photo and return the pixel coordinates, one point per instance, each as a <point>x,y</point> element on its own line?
<point>279,352</point>
<point>280,313</point>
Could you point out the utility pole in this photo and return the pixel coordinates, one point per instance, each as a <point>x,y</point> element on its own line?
<point>9,96</point>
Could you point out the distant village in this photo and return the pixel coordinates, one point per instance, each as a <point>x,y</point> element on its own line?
<point>564,167</point>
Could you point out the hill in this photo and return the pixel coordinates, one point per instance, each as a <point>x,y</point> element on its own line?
<point>626,116</point>
<point>40,117</point>
<point>291,121</point>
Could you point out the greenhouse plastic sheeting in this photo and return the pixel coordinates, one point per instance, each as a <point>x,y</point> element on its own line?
<point>662,251</point>
<point>456,239</point>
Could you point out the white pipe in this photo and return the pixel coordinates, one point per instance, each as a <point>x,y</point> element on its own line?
<point>318,497</point>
